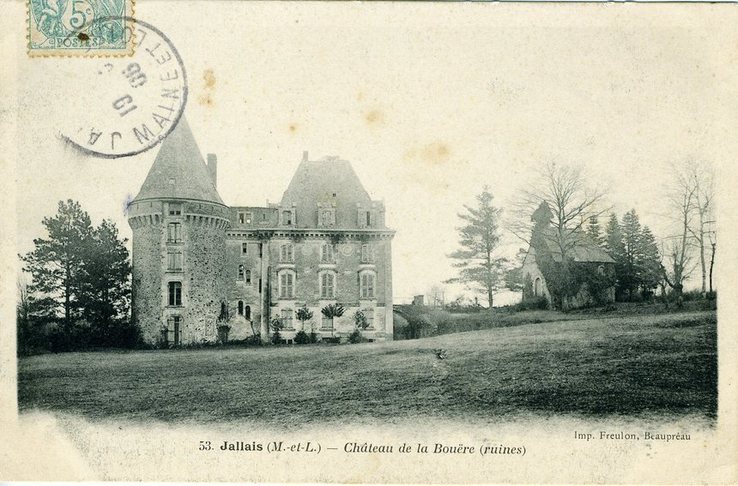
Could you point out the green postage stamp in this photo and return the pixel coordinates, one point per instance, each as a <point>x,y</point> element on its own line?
<point>79,27</point>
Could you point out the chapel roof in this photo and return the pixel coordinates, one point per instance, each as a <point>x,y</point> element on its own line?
<point>179,170</point>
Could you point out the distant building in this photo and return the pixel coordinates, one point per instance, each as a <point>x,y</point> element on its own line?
<point>584,254</point>
<point>204,271</point>
<point>419,300</point>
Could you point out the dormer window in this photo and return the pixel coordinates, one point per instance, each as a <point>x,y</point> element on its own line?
<point>287,217</point>
<point>175,209</point>
<point>327,217</point>
<point>241,218</point>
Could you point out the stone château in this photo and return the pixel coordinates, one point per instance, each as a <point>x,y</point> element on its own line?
<point>204,271</point>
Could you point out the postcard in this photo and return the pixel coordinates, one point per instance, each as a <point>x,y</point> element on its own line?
<point>368,242</point>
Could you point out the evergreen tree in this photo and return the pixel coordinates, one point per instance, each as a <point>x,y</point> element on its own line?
<point>594,231</point>
<point>630,275</point>
<point>615,248</point>
<point>650,262</point>
<point>106,286</point>
<point>56,264</point>
<point>479,239</point>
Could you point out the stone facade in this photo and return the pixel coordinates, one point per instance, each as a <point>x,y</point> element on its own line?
<point>203,271</point>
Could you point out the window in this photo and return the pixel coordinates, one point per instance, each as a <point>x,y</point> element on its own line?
<point>286,253</point>
<point>367,285</point>
<point>327,285</point>
<point>175,210</point>
<point>248,218</point>
<point>368,218</point>
<point>174,261</point>
<point>244,248</point>
<point>240,272</point>
<point>259,285</point>
<point>327,323</point>
<point>327,217</point>
<point>240,307</point>
<point>286,285</point>
<point>287,217</point>
<point>287,318</point>
<point>601,270</point>
<point>369,313</point>
<point>241,217</point>
<point>175,233</point>
<point>326,253</point>
<point>247,312</point>
<point>537,287</point>
<point>366,254</point>
<point>173,332</point>
<point>248,276</point>
<point>175,293</point>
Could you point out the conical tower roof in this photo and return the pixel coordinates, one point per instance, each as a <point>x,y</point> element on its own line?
<point>179,171</point>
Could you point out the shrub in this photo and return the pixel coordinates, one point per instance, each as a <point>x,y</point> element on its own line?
<point>355,337</point>
<point>302,338</point>
<point>313,337</point>
<point>253,340</point>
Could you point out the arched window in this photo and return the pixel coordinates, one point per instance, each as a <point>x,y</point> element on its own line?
<point>247,312</point>
<point>248,276</point>
<point>240,272</point>
<point>327,285</point>
<point>537,287</point>
<point>601,270</point>
<point>240,307</point>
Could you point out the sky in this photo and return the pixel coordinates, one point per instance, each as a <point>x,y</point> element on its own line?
<point>430,103</point>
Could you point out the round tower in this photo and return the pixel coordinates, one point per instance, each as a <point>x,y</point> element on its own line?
<point>179,223</point>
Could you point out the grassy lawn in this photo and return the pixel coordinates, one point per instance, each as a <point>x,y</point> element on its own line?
<point>638,365</point>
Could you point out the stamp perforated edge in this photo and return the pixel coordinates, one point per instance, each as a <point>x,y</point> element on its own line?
<point>129,15</point>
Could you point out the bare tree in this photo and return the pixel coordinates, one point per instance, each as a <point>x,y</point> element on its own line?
<point>572,200</point>
<point>682,198</point>
<point>699,176</point>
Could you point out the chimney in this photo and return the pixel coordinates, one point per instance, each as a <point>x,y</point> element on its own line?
<point>213,168</point>
<point>304,155</point>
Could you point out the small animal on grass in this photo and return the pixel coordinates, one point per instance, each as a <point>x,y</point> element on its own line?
<point>440,353</point>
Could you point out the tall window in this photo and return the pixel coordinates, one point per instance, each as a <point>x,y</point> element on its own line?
<point>175,293</point>
<point>247,276</point>
<point>241,218</point>
<point>286,285</point>
<point>240,307</point>
<point>366,253</point>
<point>327,285</point>
<point>244,248</point>
<point>247,312</point>
<point>286,253</point>
<point>369,313</point>
<point>367,285</point>
<point>537,287</point>
<point>240,272</point>
<point>287,318</point>
<point>174,232</point>
<point>326,253</point>
<point>173,332</point>
<point>368,218</point>
<point>174,261</point>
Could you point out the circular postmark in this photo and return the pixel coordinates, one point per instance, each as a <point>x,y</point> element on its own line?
<point>123,106</point>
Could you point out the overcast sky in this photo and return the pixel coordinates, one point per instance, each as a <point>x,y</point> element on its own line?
<point>428,102</point>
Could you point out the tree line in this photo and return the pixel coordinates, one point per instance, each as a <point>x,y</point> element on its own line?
<point>573,209</point>
<point>79,291</point>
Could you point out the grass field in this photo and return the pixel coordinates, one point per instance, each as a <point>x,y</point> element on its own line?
<point>642,365</point>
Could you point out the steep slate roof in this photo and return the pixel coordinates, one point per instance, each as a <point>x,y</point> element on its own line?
<point>317,181</point>
<point>584,250</point>
<point>179,171</point>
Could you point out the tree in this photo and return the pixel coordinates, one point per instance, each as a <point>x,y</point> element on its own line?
<point>332,311</point>
<point>700,178</point>
<point>594,231</point>
<point>106,287</point>
<point>649,263</point>
<point>479,240</point>
<point>303,315</point>
<point>682,201</point>
<point>81,276</point>
<point>629,279</point>
<point>56,264</point>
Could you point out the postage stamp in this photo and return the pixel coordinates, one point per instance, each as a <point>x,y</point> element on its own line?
<point>79,27</point>
<point>140,98</point>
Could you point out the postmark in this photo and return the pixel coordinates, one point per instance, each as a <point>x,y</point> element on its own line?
<point>87,28</point>
<point>125,106</point>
